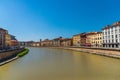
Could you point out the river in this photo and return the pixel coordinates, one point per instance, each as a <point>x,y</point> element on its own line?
<point>59,64</point>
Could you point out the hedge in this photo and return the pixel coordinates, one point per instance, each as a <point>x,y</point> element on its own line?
<point>23,52</point>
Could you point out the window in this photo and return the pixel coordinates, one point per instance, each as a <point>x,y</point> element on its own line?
<point>112,36</point>
<point>112,41</point>
<point>108,32</point>
<point>115,30</point>
<point>112,31</point>
<point>116,40</point>
<point>115,36</point>
<point>105,33</point>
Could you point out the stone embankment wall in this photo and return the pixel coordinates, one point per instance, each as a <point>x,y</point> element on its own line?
<point>114,53</point>
<point>9,54</point>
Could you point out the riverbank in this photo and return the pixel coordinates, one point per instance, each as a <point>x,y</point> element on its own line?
<point>113,53</point>
<point>10,60</point>
<point>7,57</point>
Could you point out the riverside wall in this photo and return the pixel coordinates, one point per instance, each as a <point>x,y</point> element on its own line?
<point>8,55</point>
<point>113,53</point>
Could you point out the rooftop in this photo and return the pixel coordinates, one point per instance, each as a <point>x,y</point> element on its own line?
<point>111,26</point>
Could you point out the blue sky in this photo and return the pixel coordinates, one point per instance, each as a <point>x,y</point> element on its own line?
<point>35,19</point>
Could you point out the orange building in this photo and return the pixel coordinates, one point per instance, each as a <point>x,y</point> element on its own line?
<point>90,38</point>
<point>11,41</point>
<point>94,39</point>
<point>79,39</point>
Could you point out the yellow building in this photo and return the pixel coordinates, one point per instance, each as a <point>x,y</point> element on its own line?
<point>97,39</point>
<point>76,40</point>
<point>94,39</point>
<point>90,38</point>
<point>36,44</point>
<point>67,42</point>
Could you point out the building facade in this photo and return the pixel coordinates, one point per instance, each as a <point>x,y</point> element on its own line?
<point>11,41</point>
<point>3,33</point>
<point>79,39</point>
<point>35,44</point>
<point>90,38</point>
<point>7,40</point>
<point>57,42</point>
<point>44,43</point>
<point>111,36</point>
<point>76,40</point>
<point>83,39</point>
<point>47,43</point>
<point>94,39</point>
<point>50,43</point>
<point>67,42</point>
<point>97,39</point>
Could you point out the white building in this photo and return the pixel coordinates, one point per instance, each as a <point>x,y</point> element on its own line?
<point>111,36</point>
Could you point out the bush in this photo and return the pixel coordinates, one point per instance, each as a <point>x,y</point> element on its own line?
<point>23,53</point>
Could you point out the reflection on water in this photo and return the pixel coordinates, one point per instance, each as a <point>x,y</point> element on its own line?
<point>58,64</point>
